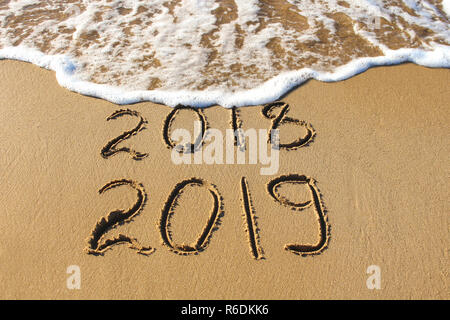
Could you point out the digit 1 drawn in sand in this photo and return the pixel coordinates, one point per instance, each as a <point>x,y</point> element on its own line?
<point>250,219</point>
<point>210,227</point>
<point>189,147</point>
<point>282,118</point>
<point>315,201</point>
<point>110,148</point>
<point>236,125</point>
<point>96,244</point>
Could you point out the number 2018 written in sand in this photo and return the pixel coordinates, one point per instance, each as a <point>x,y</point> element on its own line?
<point>98,243</point>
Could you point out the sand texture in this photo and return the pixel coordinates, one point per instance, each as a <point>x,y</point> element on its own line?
<point>88,183</point>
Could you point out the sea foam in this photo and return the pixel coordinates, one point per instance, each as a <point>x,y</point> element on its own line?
<point>227,53</point>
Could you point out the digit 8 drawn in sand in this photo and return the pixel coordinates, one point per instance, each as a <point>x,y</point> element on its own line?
<point>282,118</point>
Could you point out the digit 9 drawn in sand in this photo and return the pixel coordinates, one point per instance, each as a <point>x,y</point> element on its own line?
<point>211,225</point>
<point>96,244</point>
<point>282,118</point>
<point>315,201</point>
<point>110,148</point>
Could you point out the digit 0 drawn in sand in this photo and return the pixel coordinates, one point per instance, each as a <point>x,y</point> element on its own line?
<point>110,148</point>
<point>189,147</point>
<point>315,201</point>
<point>211,225</point>
<point>282,118</point>
<point>96,244</point>
<point>250,220</point>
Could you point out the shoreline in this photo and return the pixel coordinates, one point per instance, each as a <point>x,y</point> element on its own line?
<point>377,160</point>
<point>267,92</point>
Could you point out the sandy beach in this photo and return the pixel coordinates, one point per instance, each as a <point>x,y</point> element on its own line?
<point>379,159</point>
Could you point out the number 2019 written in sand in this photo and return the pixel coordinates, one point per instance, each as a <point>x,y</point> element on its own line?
<point>98,243</point>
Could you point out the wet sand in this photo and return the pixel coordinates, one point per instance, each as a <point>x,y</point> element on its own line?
<point>378,159</point>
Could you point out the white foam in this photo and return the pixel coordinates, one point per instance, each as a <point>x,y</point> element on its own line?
<point>269,91</point>
<point>174,40</point>
<point>446,6</point>
<point>18,5</point>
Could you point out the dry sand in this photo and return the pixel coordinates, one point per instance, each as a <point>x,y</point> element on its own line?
<point>380,159</point>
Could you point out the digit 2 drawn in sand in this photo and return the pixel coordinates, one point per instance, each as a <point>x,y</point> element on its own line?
<point>250,219</point>
<point>211,225</point>
<point>315,201</point>
<point>282,118</point>
<point>96,244</point>
<point>110,148</point>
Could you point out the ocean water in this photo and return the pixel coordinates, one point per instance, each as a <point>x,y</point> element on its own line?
<point>225,52</point>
